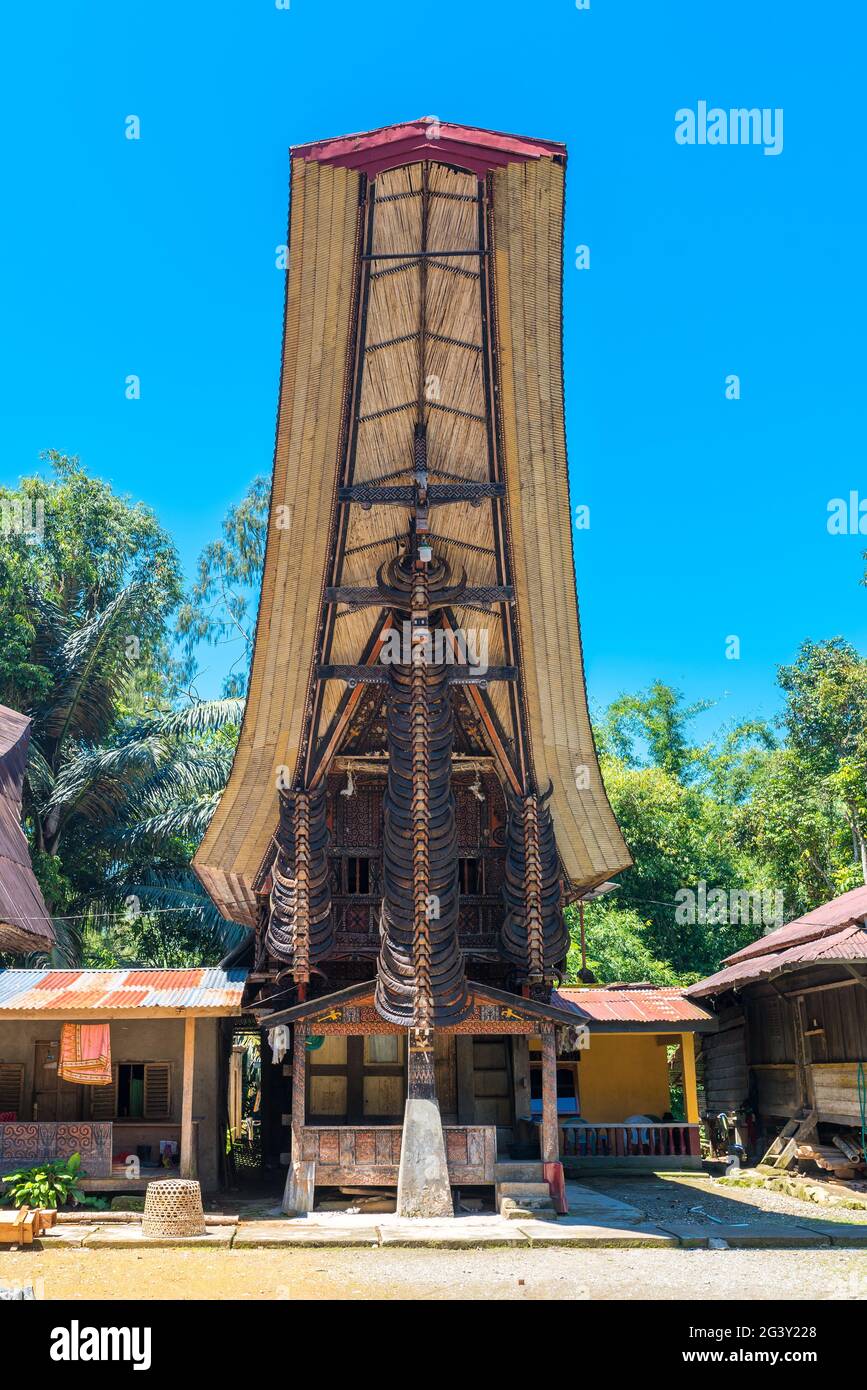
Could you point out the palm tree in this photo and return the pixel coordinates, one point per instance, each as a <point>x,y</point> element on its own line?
<point>117,798</point>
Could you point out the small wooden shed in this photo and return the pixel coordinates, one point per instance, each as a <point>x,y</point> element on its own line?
<point>792,1010</point>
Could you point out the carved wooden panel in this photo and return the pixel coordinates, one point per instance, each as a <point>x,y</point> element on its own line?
<point>24,1144</point>
<point>359,1156</point>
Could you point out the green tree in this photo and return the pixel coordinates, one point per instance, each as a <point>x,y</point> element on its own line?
<point>658,720</point>
<point>826,720</point>
<point>795,826</point>
<point>617,947</point>
<point>120,784</point>
<point>219,609</point>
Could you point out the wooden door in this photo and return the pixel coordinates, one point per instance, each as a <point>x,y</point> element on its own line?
<point>55,1099</point>
<point>493,1081</point>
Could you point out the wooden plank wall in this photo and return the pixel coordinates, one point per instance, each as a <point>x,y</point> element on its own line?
<point>762,1028</point>
<point>726,1083</point>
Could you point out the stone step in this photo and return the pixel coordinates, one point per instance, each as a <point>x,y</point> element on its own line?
<point>526,1170</point>
<point>510,1188</point>
<point>510,1210</point>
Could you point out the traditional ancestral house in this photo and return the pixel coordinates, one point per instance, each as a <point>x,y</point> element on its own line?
<point>415,795</point>
<point>791,1051</point>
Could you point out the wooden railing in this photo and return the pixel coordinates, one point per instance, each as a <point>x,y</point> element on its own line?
<point>638,1140</point>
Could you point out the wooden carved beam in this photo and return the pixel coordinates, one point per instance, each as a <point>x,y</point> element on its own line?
<point>457,674</point>
<point>357,597</point>
<point>370,495</point>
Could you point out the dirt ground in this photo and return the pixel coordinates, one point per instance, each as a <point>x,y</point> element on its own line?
<point>674,1197</point>
<point>389,1275</point>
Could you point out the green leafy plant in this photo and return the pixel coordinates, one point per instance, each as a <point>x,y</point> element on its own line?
<point>46,1184</point>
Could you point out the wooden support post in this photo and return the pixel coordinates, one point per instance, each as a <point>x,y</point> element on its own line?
<point>550,1144</point>
<point>301,1177</point>
<point>188,1155</point>
<point>299,1083</point>
<point>690,1087</point>
<point>420,1072</point>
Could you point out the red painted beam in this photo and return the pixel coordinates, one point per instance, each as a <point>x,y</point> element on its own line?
<point>465,146</point>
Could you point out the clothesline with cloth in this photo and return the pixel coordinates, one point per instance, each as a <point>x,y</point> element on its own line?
<point>85,1054</point>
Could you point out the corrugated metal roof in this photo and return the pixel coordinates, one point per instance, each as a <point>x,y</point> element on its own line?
<point>741,973</point>
<point>843,911</point>
<point>637,1005</point>
<point>850,944</point>
<point>204,990</point>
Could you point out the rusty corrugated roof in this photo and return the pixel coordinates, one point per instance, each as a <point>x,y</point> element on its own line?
<point>829,933</point>
<point>843,911</point>
<point>743,972</point>
<point>206,990</point>
<point>638,1005</point>
<point>24,921</point>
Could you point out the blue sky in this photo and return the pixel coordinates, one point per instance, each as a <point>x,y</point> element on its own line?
<point>156,257</point>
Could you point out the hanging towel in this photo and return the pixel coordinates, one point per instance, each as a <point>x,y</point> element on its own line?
<point>278,1039</point>
<point>85,1054</point>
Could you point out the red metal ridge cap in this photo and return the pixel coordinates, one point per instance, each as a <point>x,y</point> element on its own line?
<point>468,147</point>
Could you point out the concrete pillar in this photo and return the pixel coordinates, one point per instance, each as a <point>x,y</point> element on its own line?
<point>423,1188</point>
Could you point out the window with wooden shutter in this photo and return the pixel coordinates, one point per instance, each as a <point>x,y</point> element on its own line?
<point>103,1099</point>
<point>11,1088</point>
<point>157,1090</point>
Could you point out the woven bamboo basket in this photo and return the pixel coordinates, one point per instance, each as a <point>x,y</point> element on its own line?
<point>173,1208</point>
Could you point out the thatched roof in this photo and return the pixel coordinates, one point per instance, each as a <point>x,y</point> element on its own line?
<point>24,922</point>
<point>350,378</point>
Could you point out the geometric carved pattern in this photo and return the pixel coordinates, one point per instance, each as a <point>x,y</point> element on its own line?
<point>25,1144</point>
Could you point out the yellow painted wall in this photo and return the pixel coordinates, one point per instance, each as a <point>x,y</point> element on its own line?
<point>621,1075</point>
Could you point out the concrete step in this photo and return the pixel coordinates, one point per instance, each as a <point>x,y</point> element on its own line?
<point>510,1188</point>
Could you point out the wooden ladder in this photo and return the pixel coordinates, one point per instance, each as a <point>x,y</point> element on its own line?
<point>782,1150</point>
